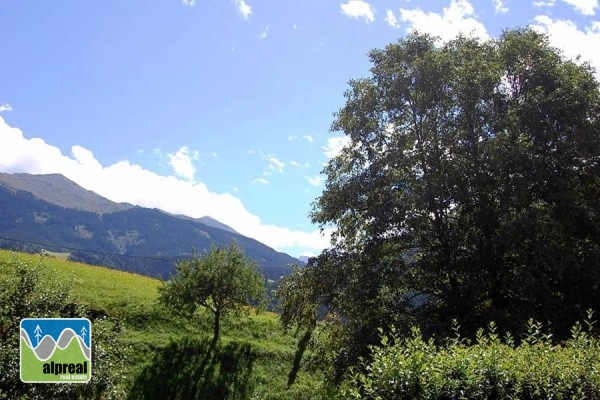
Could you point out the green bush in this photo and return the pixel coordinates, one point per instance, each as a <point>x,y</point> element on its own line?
<point>26,293</point>
<point>490,368</point>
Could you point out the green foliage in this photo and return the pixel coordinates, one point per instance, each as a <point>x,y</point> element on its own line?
<point>27,292</point>
<point>223,281</point>
<point>297,300</point>
<point>490,368</point>
<point>468,190</point>
<point>252,359</point>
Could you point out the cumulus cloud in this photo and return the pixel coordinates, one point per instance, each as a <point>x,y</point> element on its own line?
<point>243,8</point>
<point>275,164</point>
<point>5,107</point>
<point>500,7</point>
<point>308,138</point>
<point>565,35</point>
<point>264,33</point>
<point>584,7</point>
<point>316,180</point>
<point>391,20</point>
<point>183,163</point>
<point>189,3</point>
<point>457,18</point>
<point>262,181</point>
<point>127,182</point>
<point>334,145</point>
<point>544,3</point>
<point>358,9</point>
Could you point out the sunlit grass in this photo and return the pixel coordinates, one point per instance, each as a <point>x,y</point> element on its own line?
<point>148,328</point>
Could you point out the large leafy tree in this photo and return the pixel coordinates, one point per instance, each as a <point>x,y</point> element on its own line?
<point>222,281</point>
<point>469,190</point>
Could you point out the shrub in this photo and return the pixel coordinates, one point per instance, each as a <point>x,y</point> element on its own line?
<point>26,292</point>
<point>493,367</point>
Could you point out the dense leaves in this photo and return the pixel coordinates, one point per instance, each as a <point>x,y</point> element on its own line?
<point>468,190</point>
<point>26,293</point>
<point>222,281</point>
<point>491,368</point>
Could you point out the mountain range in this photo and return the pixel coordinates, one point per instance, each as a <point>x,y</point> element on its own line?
<point>53,213</point>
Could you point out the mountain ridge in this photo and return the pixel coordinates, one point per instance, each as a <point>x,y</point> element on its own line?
<point>131,238</point>
<point>59,190</point>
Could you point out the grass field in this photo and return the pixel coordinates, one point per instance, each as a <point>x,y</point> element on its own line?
<point>170,356</point>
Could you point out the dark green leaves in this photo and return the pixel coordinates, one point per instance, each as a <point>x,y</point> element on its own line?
<point>469,189</point>
<point>222,281</point>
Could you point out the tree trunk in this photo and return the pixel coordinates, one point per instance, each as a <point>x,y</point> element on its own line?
<point>217,326</point>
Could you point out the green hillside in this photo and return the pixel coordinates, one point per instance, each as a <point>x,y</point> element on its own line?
<point>171,357</point>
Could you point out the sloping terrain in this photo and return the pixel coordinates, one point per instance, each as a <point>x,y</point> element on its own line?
<point>58,190</point>
<point>170,356</point>
<point>131,238</point>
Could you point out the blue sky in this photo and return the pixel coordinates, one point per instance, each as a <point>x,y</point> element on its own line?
<point>217,107</point>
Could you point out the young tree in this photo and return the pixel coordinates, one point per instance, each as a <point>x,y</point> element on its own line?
<point>222,281</point>
<point>468,190</point>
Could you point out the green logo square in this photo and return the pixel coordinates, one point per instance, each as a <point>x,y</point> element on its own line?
<point>56,350</point>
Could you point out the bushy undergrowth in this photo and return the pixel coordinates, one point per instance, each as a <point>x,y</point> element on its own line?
<point>26,293</point>
<point>493,367</point>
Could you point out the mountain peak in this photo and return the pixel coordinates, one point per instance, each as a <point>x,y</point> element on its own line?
<point>58,190</point>
<point>50,211</point>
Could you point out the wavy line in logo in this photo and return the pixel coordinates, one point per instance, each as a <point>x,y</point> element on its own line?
<point>46,347</point>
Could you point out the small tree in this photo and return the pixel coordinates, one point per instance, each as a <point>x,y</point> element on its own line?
<point>222,281</point>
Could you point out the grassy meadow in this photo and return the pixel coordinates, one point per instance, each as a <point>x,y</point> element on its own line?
<point>169,356</point>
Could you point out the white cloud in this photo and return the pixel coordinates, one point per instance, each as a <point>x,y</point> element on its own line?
<point>390,18</point>
<point>334,145</point>
<point>543,3</point>
<point>126,182</point>
<point>358,9</point>
<point>264,33</point>
<point>189,3</point>
<point>296,164</point>
<point>243,8</point>
<point>295,27</point>
<point>5,107</point>
<point>85,157</point>
<point>308,138</point>
<point>275,164</point>
<point>500,7</point>
<point>585,7</point>
<point>565,35</point>
<point>183,163</point>
<point>291,137</point>
<point>262,181</point>
<point>455,19</point>
<point>316,180</point>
